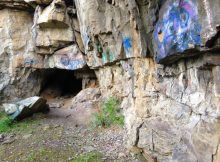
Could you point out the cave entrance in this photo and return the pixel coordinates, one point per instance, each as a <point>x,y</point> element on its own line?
<point>59,83</point>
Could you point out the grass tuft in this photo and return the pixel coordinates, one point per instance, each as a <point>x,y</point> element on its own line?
<point>109,114</point>
<point>8,125</point>
<point>5,122</point>
<point>88,157</point>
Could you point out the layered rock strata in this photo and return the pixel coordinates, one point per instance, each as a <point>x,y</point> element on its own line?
<point>159,58</point>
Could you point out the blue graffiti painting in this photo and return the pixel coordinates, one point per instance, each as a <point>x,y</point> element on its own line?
<point>72,64</point>
<point>178,29</point>
<point>30,62</point>
<point>127,43</point>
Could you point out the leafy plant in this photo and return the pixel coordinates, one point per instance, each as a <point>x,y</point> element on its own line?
<point>8,125</point>
<point>89,157</point>
<point>5,122</point>
<point>109,114</point>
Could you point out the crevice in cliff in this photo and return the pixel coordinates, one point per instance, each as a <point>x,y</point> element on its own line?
<point>216,152</point>
<point>137,133</point>
<point>152,140</point>
<point>69,2</point>
<point>212,42</point>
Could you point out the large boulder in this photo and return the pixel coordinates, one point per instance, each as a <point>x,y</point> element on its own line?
<point>88,94</point>
<point>85,104</point>
<point>26,107</point>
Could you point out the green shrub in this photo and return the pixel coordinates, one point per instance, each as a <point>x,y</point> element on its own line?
<point>8,125</point>
<point>109,114</point>
<point>5,122</point>
<point>89,157</point>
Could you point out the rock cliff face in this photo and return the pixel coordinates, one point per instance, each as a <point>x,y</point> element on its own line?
<point>161,58</point>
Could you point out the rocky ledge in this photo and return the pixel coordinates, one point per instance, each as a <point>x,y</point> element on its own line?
<point>160,58</point>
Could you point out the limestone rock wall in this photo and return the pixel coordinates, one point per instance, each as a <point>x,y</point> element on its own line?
<point>172,113</point>
<point>110,31</point>
<point>159,57</point>
<point>36,35</point>
<point>171,110</point>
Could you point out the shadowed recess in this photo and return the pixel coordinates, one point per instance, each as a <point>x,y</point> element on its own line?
<point>58,82</point>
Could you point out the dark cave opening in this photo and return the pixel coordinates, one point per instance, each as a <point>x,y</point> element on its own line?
<point>59,83</point>
<point>69,2</point>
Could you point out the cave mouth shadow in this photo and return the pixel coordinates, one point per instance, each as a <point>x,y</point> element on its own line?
<point>59,83</point>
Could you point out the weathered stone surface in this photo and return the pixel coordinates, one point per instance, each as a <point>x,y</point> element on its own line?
<point>47,39</point>
<point>171,111</point>
<point>16,51</point>
<point>38,2</point>
<point>69,58</point>
<point>88,94</point>
<point>85,104</point>
<point>108,31</point>
<point>209,15</point>
<point>183,26</point>
<point>54,16</point>
<point>26,107</point>
<point>216,80</point>
<point>7,139</point>
<point>15,4</point>
<point>15,37</point>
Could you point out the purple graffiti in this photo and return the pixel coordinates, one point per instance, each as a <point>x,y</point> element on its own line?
<point>177,29</point>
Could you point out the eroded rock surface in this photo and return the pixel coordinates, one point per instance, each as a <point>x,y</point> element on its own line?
<point>141,52</point>
<point>26,107</point>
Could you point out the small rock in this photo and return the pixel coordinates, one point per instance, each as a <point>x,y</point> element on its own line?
<point>89,149</point>
<point>27,136</point>
<point>8,141</point>
<point>46,127</point>
<point>55,105</point>
<point>70,158</point>
<point>2,137</point>
<point>121,155</point>
<point>57,125</point>
<point>67,116</point>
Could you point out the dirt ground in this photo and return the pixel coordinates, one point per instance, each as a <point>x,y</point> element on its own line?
<point>64,134</point>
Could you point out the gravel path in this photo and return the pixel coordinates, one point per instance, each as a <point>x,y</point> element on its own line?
<point>61,136</point>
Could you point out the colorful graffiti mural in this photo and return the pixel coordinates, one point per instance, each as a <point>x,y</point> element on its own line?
<point>72,64</point>
<point>127,44</point>
<point>177,29</point>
